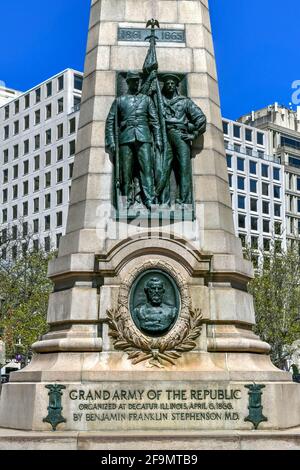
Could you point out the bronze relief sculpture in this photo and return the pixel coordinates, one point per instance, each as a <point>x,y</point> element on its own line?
<point>149,135</point>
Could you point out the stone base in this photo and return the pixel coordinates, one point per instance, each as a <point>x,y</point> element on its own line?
<point>109,441</point>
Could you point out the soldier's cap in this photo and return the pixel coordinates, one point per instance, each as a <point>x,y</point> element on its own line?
<point>170,76</point>
<point>131,75</point>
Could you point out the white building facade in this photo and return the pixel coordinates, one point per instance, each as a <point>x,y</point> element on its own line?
<point>37,148</point>
<point>257,185</point>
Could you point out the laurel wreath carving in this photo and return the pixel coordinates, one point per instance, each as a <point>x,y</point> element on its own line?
<point>158,352</point>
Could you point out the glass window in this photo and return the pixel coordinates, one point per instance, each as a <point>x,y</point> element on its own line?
<point>26,167</point>
<point>72,148</point>
<point>254,243</point>
<point>78,82</point>
<point>59,219</point>
<point>253,204</point>
<point>298,205</point>
<point>241,182</point>
<point>60,105</point>
<point>71,166</point>
<point>241,202</point>
<point>16,127</point>
<point>48,158</point>
<point>249,151</point>
<point>242,237</point>
<point>6,132</point>
<point>25,188</point>
<point>260,154</point>
<point>16,151</point>
<point>72,125</point>
<point>17,106</point>
<point>37,116</point>
<point>15,191</point>
<point>237,148</point>
<point>15,212</point>
<point>265,171</point>
<point>26,122</point>
<point>25,208</point>
<point>6,112</point>
<point>237,131</point>
<point>59,175</point>
<point>4,196</point>
<point>47,244</point>
<point>5,176</point>
<point>15,171</point>
<point>277,228</point>
<point>266,226</point>
<point>47,222</point>
<point>48,111</point>
<point>36,162</point>
<point>26,147</point>
<point>58,237</point>
<point>225,127</point>
<point>253,186</point>
<point>27,101</point>
<point>277,192</point>
<point>76,101</point>
<point>265,189</point>
<point>37,141</point>
<point>242,221</point>
<point>265,207</point>
<point>59,197</point>
<point>229,160</point>
<point>277,210</point>
<point>60,153</point>
<point>260,138</point>
<point>36,244</point>
<point>5,156</point>
<point>248,135</point>
<point>254,223</point>
<point>266,244</point>
<point>60,83</point>
<point>276,174</point>
<point>36,205</point>
<point>252,167</point>
<point>240,164</point>
<point>49,89</point>
<point>37,95</point>
<point>48,179</point>
<point>36,225</point>
<point>48,136</point>
<point>230,180</point>
<point>60,131</point>
<point>4,215</point>
<point>298,184</point>
<point>36,183</point>
<point>47,201</point>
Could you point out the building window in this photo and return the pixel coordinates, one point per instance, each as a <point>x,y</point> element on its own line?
<point>260,138</point>
<point>59,175</point>
<point>36,226</point>
<point>27,101</point>
<point>237,148</point>
<point>260,154</point>
<point>36,204</point>
<point>253,204</point>
<point>5,156</point>
<point>14,252</point>
<point>248,135</point>
<point>276,174</point>
<point>15,191</point>
<point>17,106</point>
<point>265,171</point>
<point>26,147</point>
<point>72,148</point>
<point>15,212</point>
<point>25,229</point>
<point>266,244</point>
<point>60,105</point>
<point>277,210</point>
<point>249,151</point>
<point>26,167</point>
<point>47,222</point>
<point>225,127</point>
<point>78,82</point>
<point>25,188</point>
<point>229,179</point>
<point>71,167</point>
<point>60,131</point>
<point>254,223</point>
<point>48,158</point>
<point>47,244</point>
<point>47,201</point>
<point>241,182</point>
<point>15,171</point>
<point>242,237</point>
<point>6,132</point>
<point>37,116</point>
<point>254,243</point>
<point>266,226</point>
<point>76,102</point>
<point>58,237</point>
<point>4,196</point>
<point>49,89</point>
<point>16,151</point>
<point>226,144</point>
<point>253,186</point>
<point>6,112</point>
<point>48,136</point>
<point>252,167</point>
<point>228,159</point>
<point>265,189</point>
<point>48,179</point>
<point>277,228</point>
<point>60,83</point>
<point>26,122</point>
<point>276,190</point>
<point>265,207</point>
<point>59,197</point>
<point>4,215</point>
<point>298,205</point>
<point>59,219</point>
<point>241,221</point>
<point>25,209</point>
<point>48,111</point>
<point>240,164</point>
<point>236,131</point>
<point>36,162</point>
<point>37,141</point>
<point>5,176</point>
<point>36,183</point>
<point>72,126</point>
<point>16,127</point>
<point>36,244</point>
<point>37,95</point>
<point>298,184</point>
<point>60,153</point>
<point>241,202</point>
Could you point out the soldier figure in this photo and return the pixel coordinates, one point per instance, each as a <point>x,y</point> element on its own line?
<point>155,316</point>
<point>184,122</point>
<point>133,117</point>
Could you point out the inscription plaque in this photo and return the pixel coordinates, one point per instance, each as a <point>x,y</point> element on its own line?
<point>141,35</point>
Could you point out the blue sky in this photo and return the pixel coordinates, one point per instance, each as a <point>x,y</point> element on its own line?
<point>257,46</point>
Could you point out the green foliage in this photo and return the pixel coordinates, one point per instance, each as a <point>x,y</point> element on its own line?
<point>276,291</point>
<point>24,290</point>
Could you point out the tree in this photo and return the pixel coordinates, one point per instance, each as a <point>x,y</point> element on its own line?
<point>276,291</point>
<point>24,290</point>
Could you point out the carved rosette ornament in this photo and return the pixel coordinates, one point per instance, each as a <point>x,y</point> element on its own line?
<point>158,351</point>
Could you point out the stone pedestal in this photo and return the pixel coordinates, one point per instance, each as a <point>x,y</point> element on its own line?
<point>206,386</point>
